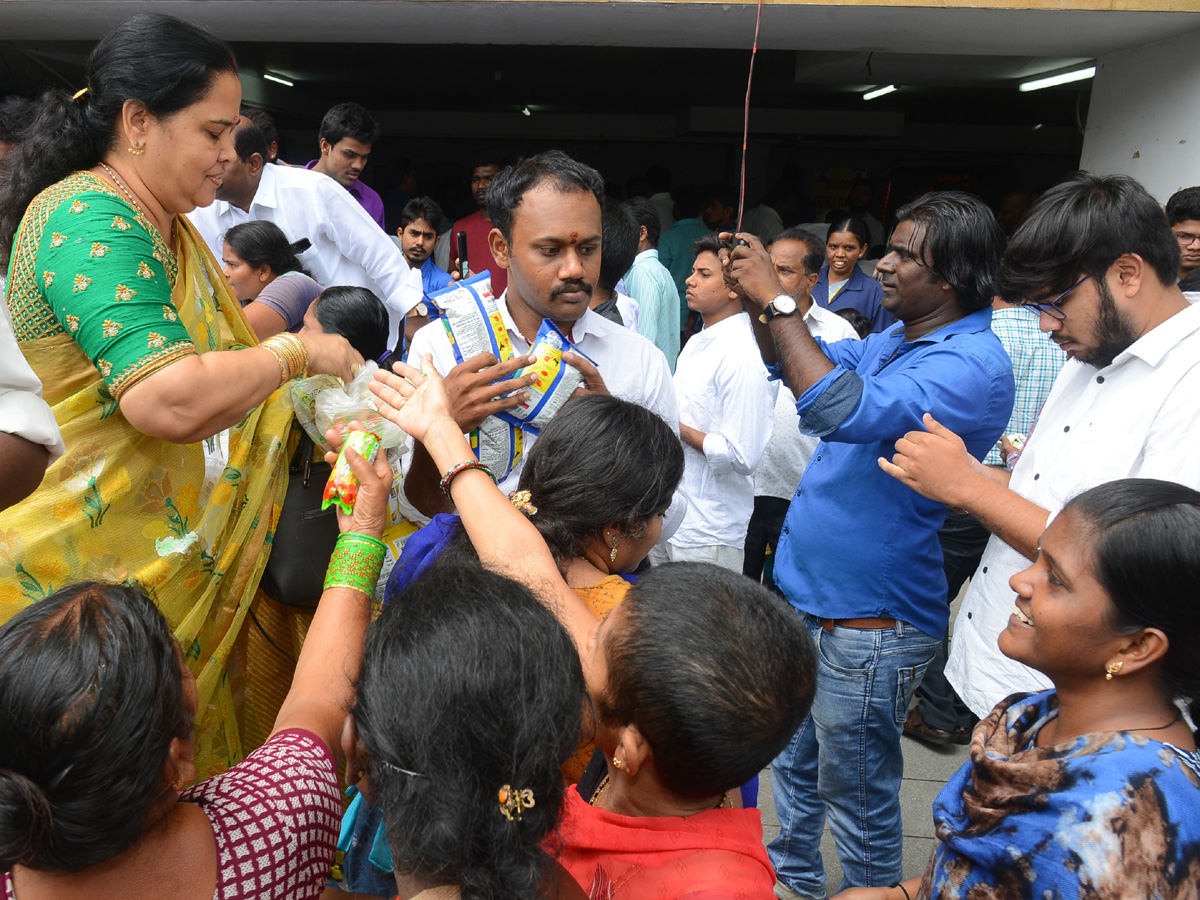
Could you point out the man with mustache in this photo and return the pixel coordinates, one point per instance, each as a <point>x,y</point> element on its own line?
<point>547,216</point>
<point>419,231</point>
<point>1097,258</point>
<point>858,556</point>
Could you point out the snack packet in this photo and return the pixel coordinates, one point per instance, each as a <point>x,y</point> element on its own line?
<point>498,445</point>
<point>556,380</point>
<point>472,318</point>
<point>322,402</point>
<point>342,487</point>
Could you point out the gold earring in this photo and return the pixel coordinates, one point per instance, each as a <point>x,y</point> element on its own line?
<point>1113,669</point>
<point>177,785</point>
<point>136,150</point>
<point>612,557</point>
<point>617,764</point>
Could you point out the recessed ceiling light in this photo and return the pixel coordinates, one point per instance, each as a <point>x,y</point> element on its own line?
<point>278,79</point>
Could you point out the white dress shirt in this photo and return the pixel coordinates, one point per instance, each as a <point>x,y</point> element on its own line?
<point>632,367</point>
<point>724,390</point>
<point>1136,418</point>
<point>788,452</point>
<point>348,247</point>
<point>629,310</point>
<point>23,412</point>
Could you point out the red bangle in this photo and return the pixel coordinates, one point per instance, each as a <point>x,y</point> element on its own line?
<point>454,471</point>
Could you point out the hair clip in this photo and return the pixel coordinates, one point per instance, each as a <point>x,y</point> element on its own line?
<point>514,802</point>
<point>394,768</point>
<point>80,94</point>
<point>520,499</point>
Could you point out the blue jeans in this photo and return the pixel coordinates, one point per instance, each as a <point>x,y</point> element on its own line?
<point>845,761</point>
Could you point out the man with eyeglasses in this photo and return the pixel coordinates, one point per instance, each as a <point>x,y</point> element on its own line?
<point>858,555</point>
<point>1097,259</point>
<point>1183,214</point>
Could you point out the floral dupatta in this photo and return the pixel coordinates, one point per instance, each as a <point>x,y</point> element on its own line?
<point>121,505</point>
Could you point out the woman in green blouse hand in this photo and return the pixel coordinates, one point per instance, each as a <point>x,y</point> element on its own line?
<point>169,405</point>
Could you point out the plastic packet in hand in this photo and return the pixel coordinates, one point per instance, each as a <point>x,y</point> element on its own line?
<point>498,445</point>
<point>342,487</point>
<point>472,318</point>
<point>322,402</point>
<point>556,380</point>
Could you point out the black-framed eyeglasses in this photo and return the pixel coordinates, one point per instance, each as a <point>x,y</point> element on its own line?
<point>1052,308</point>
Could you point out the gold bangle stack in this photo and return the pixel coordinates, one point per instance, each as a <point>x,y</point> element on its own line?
<point>290,353</point>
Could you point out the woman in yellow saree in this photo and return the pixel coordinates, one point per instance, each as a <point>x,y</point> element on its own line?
<point>176,457</point>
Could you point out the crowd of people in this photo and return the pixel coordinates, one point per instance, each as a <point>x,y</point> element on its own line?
<point>558,669</point>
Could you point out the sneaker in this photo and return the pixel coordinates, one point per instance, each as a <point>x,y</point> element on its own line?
<point>916,727</point>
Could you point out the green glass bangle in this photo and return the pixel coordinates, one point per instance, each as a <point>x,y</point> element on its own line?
<point>355,563</point>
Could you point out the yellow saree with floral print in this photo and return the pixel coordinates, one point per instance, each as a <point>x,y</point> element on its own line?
<point>99,302</point>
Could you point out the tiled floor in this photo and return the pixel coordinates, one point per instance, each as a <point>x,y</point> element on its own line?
<point>926,770</point>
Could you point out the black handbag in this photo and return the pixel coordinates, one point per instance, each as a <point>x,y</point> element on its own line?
<point>305,536</point>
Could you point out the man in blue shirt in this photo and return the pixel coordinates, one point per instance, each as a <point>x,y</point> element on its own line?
<point>421,223</point>
<point>858,557</point>
<point>649,283</point>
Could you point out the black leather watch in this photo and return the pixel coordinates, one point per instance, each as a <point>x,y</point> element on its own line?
<point>782,305</point>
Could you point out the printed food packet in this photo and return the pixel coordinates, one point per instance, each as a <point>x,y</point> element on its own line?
<point>341,489</point>
<point>556,380</point>
<point>498,445</point>
<point>472,318</point>
<point>322,402</point>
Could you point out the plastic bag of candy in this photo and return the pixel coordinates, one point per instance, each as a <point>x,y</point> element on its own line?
<point>556,380</point>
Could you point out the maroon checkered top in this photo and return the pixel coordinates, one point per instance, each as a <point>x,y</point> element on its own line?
<point>276,817</point>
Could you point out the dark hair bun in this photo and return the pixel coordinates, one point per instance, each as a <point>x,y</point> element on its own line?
<point>25,818</point>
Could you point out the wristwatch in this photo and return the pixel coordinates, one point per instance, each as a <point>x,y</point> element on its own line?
<point>782,305</point>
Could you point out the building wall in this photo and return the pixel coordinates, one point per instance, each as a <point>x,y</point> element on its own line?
<point>1143,120</point>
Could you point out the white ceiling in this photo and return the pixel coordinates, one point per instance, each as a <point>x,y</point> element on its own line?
<point>965,33</point>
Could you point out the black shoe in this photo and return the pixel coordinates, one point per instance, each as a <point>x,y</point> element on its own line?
<point>915,726</point>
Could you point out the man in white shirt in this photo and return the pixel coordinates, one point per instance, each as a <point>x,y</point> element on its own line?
<point>726,406</point>
<point>798,256</point>
<point>546,213</point>
<point>1097,258</point>
<point>347,247</point>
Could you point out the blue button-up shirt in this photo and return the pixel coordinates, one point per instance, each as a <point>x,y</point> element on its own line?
<point>433,278</point>
<point>857,543</point>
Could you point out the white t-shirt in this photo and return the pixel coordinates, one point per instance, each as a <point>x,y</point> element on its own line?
<point>788,452</point>
<point>1136,418</point>
<point>725,391</point>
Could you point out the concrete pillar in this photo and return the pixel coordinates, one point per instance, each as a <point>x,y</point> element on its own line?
<point>1144,119</point>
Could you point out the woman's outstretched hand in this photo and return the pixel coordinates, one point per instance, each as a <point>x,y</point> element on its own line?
<point>415,399</point>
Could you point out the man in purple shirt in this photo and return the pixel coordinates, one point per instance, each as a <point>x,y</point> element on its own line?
<point>347,133</point>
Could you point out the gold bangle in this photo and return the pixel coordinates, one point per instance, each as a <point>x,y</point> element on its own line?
<point>290,353</point>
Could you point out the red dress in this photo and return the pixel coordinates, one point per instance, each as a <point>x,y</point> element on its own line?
<point>714,854</point>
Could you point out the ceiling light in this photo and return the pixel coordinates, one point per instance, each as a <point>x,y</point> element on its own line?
<point>1063,78</point>
<point>278,79</point>
<point>526,112</point>
<point>880,91</point>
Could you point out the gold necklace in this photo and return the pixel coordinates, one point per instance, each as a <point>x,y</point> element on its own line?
<point>120,183</point>
<point>726,799</point>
